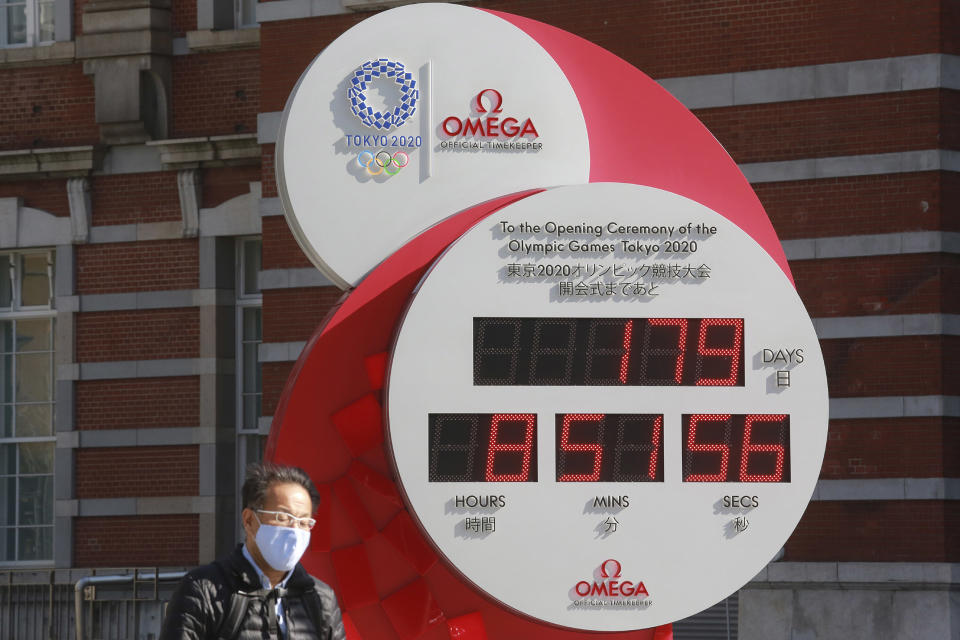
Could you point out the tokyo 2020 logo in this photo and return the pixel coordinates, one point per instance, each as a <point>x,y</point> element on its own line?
<point>393,116</point>
<point>382,162</point>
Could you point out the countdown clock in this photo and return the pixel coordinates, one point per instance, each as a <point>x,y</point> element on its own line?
<point>592,413</point>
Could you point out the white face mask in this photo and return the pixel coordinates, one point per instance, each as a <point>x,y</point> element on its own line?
<point>281,547</point>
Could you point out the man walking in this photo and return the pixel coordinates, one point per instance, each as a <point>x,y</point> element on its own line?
<point>260,590</point>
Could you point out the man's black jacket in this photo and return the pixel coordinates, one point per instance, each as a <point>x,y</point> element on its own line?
<point>200,604</point>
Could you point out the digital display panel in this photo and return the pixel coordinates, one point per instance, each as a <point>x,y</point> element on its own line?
<point>724,447</point>
<point>685,352</point>
<point>482,447</point>
<point>598,447</point>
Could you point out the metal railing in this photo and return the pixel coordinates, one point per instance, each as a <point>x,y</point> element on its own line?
<point>47,604</point>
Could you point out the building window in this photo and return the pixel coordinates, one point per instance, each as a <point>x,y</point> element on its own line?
<point>26,407</point>
<point>245,13</point>
<point>249,330</point>
<point>26,22</point>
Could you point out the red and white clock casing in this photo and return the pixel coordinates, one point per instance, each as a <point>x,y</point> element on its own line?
<point>600,120</point>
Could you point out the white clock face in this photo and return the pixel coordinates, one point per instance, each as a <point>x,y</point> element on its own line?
<point>607,407</point>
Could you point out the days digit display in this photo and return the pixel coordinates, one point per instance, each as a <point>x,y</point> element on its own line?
<point>482,447</point>
<point>724,447</point>
<point>684,352</point>
<point>598,447</point>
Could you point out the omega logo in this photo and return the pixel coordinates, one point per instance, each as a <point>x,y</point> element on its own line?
<point>490,126</point>
<point>609,585</point>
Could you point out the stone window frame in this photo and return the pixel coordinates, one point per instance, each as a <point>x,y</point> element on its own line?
<point>18,312</point>
<point>62,24</point>
<point>250,437</point>
<point>224,15</point>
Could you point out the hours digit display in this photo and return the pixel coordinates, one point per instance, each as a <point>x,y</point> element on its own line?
<point>724,447</point>
<point>482,447</point>
<point>598,447</point>
<point>686,352</point>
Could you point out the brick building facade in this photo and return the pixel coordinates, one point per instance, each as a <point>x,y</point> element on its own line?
<point>157,299</point>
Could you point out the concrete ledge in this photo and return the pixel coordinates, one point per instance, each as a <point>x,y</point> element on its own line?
<point>846,166</point>
<point>280,351</point>
<point>853,574</point>
<point>93,507</point>
<point>887,326</point>
<point>268,126</point>
<point>51,162</point>
<point>208,151</point>
<point>884,244</point>
<point>271,207</point>
<point>152,437</point>
<point>860,77</point>
<point>296,9</point>
<point>292,278</point>
<point>888,489</point>
<point>209,40</point>
<point>895,407</point>
<point>166,368</point>
<point>55,53</point>
<point>143,232</point>
<point>142,300</point>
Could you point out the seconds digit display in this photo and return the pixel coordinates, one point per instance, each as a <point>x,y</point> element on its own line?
<point>726,447</point>
<point>643,352</point>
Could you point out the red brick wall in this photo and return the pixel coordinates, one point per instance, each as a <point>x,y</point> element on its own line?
<point>220,185</point>
<point>137,266</point>
<point>137,335</point>
<point>46,195</point>
<point>880,123</point>
<point>183,16</point>
<point>950,27</point>
<point>268,175</point>
<point>912,283</point>
<point>135,198</point>
<point>280,249</point>
<point>664,39</point>
<point>215,93</point>
<point>124,541</point>
<point>858,205</point>
<point>273,376</point>
<point>137,403</point>
<point>46,107</point>
<point>877,531</point>
<point>906,365</point>
<point>892,448</point>
<point>290,315</point>
<point>288,46</point>
<point>120,472</point>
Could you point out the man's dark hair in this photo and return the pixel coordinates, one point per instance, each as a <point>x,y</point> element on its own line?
<point>261,475</point>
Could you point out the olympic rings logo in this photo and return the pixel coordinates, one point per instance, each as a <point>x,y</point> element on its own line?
<point>383,162</point>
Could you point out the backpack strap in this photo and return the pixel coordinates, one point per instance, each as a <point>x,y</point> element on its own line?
<point>236,612</point>
<point>236,609</point>
<point>314,605</point>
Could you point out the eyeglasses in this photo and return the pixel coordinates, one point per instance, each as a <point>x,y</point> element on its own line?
<point>285,519</point>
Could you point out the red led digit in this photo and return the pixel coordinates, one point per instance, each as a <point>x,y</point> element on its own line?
<point>722,448</point>
<point>749,447</point>
<point>733,352</point>
<point>681,323</point>
<point>582,447</point>
<point>655,441</point>
<point>625,358</point>
<point>525,448</point>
